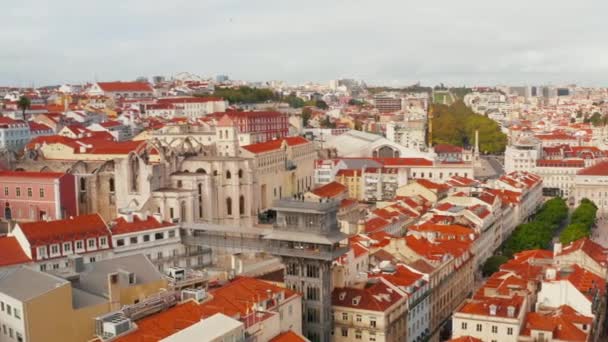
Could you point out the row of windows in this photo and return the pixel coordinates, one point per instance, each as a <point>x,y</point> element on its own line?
<point>358,334</point>
<point>5,307</point>
<point>29,192</point>
<point>12,334</point>
<point>479,328</point>
<point>145,238</point>
<point>67,247</point>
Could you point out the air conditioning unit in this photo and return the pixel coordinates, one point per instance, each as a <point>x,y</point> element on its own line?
<point>176,273</point>
<point>112,324</point>
<point>196,294</point>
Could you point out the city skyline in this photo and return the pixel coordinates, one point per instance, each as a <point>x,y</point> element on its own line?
<point>393,44</point>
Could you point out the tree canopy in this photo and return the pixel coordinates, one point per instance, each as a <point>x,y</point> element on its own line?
<point>24,104</point>
<point>244,94</point>
<point>456,125</point>
<point>492,264</point>
<point>537,234</point>
<point>581,222</point>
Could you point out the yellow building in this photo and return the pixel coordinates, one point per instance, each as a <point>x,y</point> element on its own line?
<point>39,306</point>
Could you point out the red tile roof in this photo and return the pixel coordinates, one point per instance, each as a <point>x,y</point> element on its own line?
<point>121,226</point>
<point>589,247</point>
<point>37,127</point>
<point>186,99</point>
<point>273,145</point>
<point>31,174</point>
<point>77,228</point>
<point>11,252</point>
<point>465,339</point>
<point>330,190</point>
<point>445,148</point>
<point>125,86</point>
<point>432,185</point>
<point>559,322</point>
<point>561,163</point>
<point>481,307</point>
<point>599,169</point>
<point>108,124</point>
<point>404,161</point>
<point>288,336</point>
<point>235,299</point>
<point>373,297</point>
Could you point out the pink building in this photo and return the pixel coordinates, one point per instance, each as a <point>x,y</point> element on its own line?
<point>35,196</point>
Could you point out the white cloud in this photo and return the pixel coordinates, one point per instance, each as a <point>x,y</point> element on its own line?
<point>456,42</point>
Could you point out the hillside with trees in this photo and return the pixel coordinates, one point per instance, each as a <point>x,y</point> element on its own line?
<point>456,125</point>
<point>244,94</point>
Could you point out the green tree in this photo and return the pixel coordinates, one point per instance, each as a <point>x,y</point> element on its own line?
<point>294,101</point>
<point>456,125</point>
<point>321,104</point>
<point>24,104</point>
<point>306,114</point>
<point>574,232</point>
<point>492,264</point>
<point>327,123</point>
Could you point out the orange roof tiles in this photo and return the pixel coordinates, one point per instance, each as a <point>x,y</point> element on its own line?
<point>330,190</point>
<point>125,86</point>
<point>77,228</point>
<point>273,145</point>
<point>465,339</point>
<point>560,322</point>
<point>481,307</point>
<point>288,336</point>
<point>432,185</point>
<point>121,226</point>
<point>31,174</point>
<point>445,148</point>
<point>235,299</point>
<point>11,252</point>
<point>599,169</point>
<point>373,297</point>
<point>589,247</point>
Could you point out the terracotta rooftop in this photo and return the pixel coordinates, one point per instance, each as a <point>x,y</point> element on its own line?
<point>76,228</point>
<point>288,336</point>
<point>125,86</point>
<point>11,252</point>
<point>122,226</point>
<point>273,145</point>
<point>599,169</point>
<point>330,190</point>
<point>373,297</point>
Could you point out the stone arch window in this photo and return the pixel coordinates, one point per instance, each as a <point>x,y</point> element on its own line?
<point>242,205</point>
<point>201,170</point>
<point>240,173</point>
<point>134,174</point>
<point>228,206</point>
<point>221,134</point>
<point>228,174</point>
<point>83,184</point>
<point>112,185</point>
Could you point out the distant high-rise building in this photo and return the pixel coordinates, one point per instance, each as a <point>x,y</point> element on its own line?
<point>158,79</point>
<point>563,91</point>
<point>221,78</point>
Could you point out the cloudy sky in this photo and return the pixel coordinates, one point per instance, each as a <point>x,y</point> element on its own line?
<point>472,42</point>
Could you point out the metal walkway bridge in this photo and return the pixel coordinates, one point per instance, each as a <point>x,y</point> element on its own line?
<point>276,242</point>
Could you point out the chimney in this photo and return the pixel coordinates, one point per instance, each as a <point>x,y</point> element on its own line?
<point>557,248</point>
